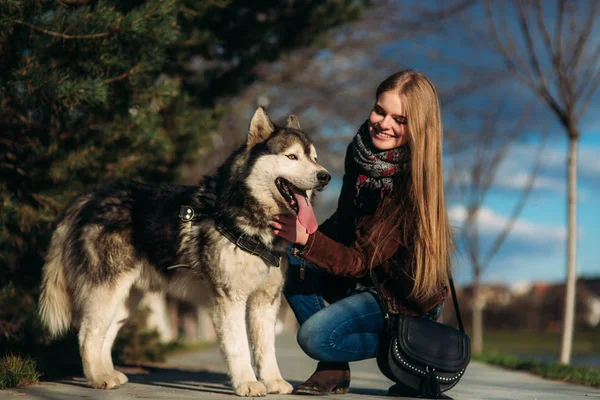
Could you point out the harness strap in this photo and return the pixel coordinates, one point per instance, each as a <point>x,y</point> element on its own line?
<point>249,243</point>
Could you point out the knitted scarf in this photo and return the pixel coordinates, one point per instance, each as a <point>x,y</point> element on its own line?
<point>377,167</point>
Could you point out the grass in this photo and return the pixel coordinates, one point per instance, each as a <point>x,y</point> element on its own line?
<point>515,350</point>
<point>588,376</point>
<point>185,348</point>
<point>532,342</point>
<point>30,355</point>
<point>16,371</point>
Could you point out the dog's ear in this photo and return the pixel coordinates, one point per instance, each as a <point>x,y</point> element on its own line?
<point>292,122</point>
<point>261,127</point>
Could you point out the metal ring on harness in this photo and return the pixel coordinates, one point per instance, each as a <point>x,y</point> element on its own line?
<point>186,213</point>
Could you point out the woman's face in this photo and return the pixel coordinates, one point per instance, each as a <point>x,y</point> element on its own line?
<point>388,126</point>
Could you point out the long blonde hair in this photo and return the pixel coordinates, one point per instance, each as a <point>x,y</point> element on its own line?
<point>421,211</point>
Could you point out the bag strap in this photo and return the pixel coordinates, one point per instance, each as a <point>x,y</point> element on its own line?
<point>386,312</point>
<point>456,308</point>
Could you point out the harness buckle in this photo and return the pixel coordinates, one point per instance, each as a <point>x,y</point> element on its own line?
<point>239,242</point>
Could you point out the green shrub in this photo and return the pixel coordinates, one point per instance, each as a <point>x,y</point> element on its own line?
<point>16,371</point>
<point>23,338</point>
<point>136,343</point>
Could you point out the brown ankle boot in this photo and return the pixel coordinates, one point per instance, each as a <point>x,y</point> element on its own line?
<point>329,378</point>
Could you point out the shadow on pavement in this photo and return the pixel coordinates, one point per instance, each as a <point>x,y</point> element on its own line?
<point>189,379</point>
<point>168,377</point>
<point>368,392</point>
<point>176,378</point>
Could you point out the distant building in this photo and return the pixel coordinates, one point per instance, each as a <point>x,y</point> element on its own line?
<point>531,305</point>
<point>591,286</point>
<point>493,295</point>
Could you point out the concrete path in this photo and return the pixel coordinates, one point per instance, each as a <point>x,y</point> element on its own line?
<point>203,375</point>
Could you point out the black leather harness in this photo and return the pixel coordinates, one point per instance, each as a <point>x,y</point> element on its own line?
<point>249,243</point>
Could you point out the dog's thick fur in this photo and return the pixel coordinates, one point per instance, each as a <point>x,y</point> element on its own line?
<point>127,235</point>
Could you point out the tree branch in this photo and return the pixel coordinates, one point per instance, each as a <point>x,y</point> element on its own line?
<point>573,65</point>
<point>492,170</point>
<point>544,30</point>
<point>591,90</point>
<point>57,34</point>
<point>516,65</point>
<point>518,207</point>
<point>124,75</point>
<point>586,75</point>
<point>533,58</point>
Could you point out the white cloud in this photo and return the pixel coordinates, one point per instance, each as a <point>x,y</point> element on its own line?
<point>519,180</point>
<point>491,223</point>
<point>513,173</point>
<point>555,159</point>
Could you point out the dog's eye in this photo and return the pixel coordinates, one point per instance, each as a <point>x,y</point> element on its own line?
<point>291,156</point>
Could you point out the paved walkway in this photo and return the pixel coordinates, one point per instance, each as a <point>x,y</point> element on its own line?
<point>203,375</point>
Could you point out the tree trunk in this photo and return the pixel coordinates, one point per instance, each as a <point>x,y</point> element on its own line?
<point>477,313</point>
<point>569,315</point>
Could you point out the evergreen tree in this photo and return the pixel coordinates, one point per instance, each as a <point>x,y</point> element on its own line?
<point>92,91</point>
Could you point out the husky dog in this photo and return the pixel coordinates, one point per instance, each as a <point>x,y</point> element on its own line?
<point>129,234</point>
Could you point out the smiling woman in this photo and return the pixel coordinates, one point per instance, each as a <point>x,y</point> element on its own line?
<point>387,124</point>
<point>390,227</point>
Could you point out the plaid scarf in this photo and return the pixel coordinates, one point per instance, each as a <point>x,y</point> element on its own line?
<point>377,167</point>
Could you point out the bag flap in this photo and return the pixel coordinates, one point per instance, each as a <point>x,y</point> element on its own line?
<point>433,344</point>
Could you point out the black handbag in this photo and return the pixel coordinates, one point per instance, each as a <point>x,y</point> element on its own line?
<point>425,358</point>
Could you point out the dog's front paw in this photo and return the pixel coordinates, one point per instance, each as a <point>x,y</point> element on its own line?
<point>105,381</point>
<point>120,376</point>
<point>251,389</point>
<point>278,386</point>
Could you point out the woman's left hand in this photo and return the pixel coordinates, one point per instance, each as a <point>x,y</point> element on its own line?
<point>289,228</point>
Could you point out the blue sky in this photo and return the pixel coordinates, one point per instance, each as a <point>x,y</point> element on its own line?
<point>535,249</point>
<point>338,84</point>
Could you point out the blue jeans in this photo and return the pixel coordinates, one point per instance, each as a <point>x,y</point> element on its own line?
<point>346,330</point>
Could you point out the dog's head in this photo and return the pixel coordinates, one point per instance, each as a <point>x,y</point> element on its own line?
<point>284,171</point>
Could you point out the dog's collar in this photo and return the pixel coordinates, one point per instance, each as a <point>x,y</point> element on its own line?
<point>250,243</point>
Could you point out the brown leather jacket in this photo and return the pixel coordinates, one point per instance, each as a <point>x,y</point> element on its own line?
<point>340,246</point>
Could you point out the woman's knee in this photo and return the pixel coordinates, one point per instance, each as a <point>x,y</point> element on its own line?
<point>312,340</point>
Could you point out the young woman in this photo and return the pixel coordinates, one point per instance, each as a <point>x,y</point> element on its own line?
<point>390,228</point>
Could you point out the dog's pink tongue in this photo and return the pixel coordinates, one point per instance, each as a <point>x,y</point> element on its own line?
<point>306,216</point>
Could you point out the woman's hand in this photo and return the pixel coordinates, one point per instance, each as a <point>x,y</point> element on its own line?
<point>289,228</point>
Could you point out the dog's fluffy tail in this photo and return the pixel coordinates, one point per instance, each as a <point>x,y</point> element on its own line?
<point>55,303</point>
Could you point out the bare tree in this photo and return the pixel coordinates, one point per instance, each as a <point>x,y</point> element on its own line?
<point>561,68</point>
<point>332,88</point>
<point>489,150</point>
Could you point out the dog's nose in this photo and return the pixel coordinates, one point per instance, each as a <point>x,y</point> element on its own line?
<point>323,177</point>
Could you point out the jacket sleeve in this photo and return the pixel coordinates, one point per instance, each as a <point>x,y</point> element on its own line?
<point>348,261</point>
<point>336,223</point>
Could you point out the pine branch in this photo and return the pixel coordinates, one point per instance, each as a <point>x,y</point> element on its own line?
<point>57,34</point>
<point>204,6</point>
<point>124,75</point>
